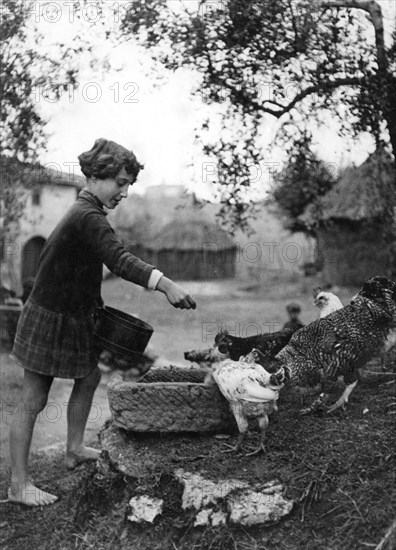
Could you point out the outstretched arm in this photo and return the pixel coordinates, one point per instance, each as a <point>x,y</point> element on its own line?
<point>175,294</point>
<point>103,240</point>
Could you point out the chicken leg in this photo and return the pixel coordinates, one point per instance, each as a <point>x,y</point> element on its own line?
<point>317,405</point>
<point>263,423</point>
<point>234,448</point>
<point>344,397</point>
<point>242,424</point>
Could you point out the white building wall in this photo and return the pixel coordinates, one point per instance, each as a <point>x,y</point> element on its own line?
<point>272,248</point>
<point>37,221</point>
<point>40,220</point>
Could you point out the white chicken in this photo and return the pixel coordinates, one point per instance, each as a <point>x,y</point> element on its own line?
<point>326,302</point>
<point>246,386</point>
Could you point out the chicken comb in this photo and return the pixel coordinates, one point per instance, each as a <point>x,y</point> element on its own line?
<point>316,290</point>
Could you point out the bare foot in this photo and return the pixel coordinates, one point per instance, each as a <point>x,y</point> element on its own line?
<point>30,495</point>
<point>85,454</point>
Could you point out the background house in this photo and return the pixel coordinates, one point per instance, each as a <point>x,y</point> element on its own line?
<point>271,248</point>
<point>354,241</point>
<point>165,226</point>
<point>45,194</point>
<point>180,235</point>
<point>197,250</point>
<point>170,229</point>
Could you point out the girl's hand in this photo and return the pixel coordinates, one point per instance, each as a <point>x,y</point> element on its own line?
<point>175,294</point>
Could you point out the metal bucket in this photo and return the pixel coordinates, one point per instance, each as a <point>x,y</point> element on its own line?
<point>122,333</point>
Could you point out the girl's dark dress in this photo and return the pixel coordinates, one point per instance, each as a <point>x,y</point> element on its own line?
<point>55,331</point>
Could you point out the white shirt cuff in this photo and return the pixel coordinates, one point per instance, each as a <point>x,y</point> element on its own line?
<point>154,279</point>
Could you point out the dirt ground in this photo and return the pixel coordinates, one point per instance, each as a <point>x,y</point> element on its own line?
<point>339,469</point>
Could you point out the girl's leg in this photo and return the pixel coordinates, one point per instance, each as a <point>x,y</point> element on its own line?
<point>34,398</point>
<point>77,415</point>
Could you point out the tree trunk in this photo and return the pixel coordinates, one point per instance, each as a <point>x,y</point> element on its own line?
<point>388,87</point>
<point>390,114</point>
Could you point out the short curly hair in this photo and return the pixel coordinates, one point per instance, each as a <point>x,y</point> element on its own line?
<point>106,159</point>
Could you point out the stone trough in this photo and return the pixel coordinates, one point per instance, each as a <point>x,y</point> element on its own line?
<point>172,399</point>
<point>176,416</point>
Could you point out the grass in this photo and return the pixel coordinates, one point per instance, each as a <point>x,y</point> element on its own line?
<point>339,469</point>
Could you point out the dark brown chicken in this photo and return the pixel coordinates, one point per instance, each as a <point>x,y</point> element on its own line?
<point>204,357</point>
<point>269,343</point>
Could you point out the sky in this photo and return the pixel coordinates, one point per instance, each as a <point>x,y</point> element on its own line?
<point>156,119</point>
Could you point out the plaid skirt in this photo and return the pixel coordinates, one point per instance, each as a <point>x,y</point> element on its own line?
<point>55,344</point>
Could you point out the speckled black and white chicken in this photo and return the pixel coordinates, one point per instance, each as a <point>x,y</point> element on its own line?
<point>339,344</point>
<point>246,386</point>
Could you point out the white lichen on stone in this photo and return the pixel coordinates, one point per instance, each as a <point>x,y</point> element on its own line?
<point>246,505</point>
<point>208,517</point>
<point>250,507</point>
<point>145,508</point>
<point>199,492</point>
<point>203,517</point>
<point>218,518</point>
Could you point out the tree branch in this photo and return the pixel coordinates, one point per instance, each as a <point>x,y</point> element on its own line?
<point>329,85</point>
<point>375,12</point>
<point>293,21</point>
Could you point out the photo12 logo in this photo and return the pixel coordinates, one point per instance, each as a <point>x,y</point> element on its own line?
<point>88,11</point>
<point>68,10</point>
<point>239,330</point>
<point>271,170</point>
<point>53,412</point>
<point>304,13</point>
<point>91,92</point>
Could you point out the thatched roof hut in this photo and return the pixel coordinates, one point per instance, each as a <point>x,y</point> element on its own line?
<point>362,193</point>
<point>353,238</point>
<point>176,233</point>
<point>195,250</point>
<point>141,221</point>
<point>192,235</point>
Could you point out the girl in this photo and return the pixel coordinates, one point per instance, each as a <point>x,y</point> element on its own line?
<point>55,332</point>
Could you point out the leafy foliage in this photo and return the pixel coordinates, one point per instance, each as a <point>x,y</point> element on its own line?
<point>28,70</point>
<point>290,59</point>
<point>21,125</point>
<point>304,180</point>
<point>235,156</point>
